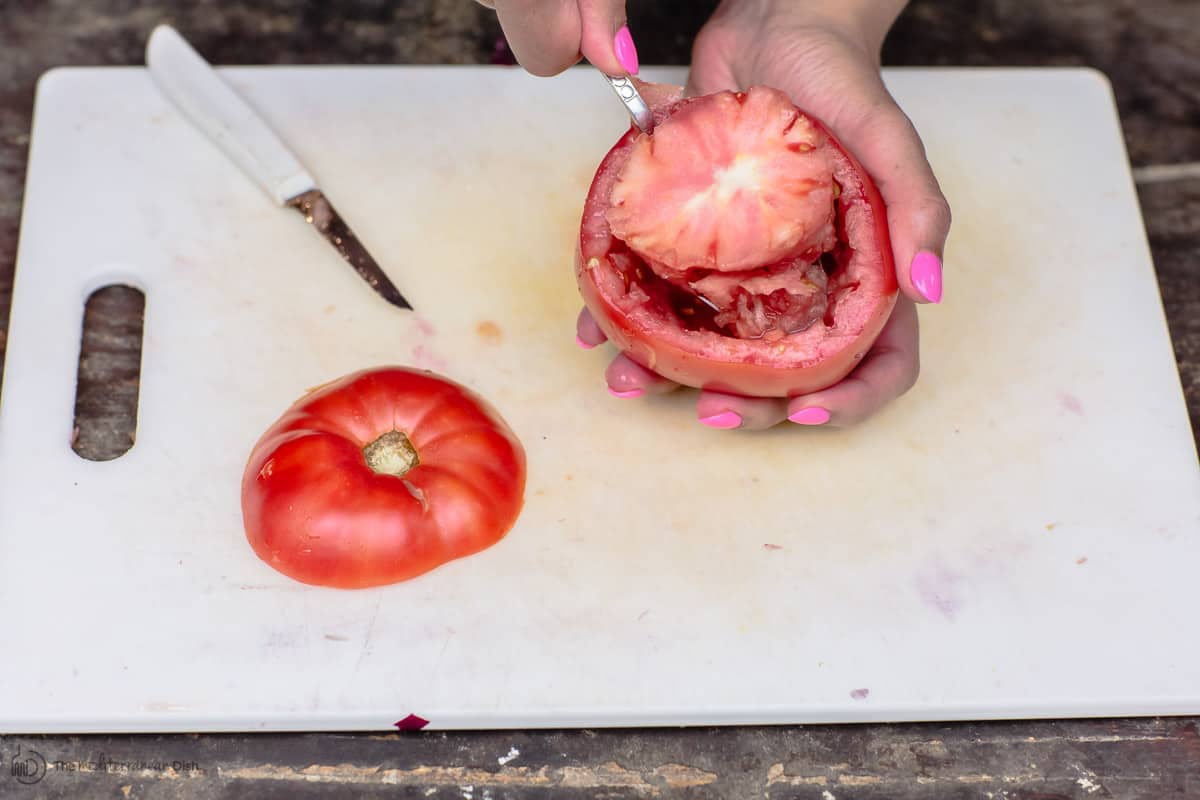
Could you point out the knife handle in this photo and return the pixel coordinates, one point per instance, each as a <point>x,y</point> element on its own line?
<point>200,93</point>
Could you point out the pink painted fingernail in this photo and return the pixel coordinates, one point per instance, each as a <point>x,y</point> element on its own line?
<point>926,274</point>
<point>813,415</point>
<point>582,343</point>
<point>625,51</point>
<point>723,421</point>
<point>626,393</point>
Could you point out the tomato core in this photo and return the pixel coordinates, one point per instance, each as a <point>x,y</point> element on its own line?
<point>767,303</point>
<point>391,454</point>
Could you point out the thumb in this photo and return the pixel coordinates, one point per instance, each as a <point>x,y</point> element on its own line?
<point>605,40</point>
<point>548,36</point>
<point>891,151</point>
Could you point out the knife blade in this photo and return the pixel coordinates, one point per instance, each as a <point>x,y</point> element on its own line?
<point>211,105</point>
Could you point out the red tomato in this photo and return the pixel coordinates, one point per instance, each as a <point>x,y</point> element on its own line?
<point>381,476</point>
<point>737,247</point>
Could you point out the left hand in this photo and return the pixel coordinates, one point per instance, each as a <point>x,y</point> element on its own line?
<point>830,68</point>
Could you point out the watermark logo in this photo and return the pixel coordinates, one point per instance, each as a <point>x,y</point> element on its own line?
<point>28,766</point>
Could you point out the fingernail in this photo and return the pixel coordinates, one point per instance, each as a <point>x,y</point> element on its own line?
<point>582,343</point>
<point>724,421</point>
<point>627,393</point>
<point>625,51</point>
<point>926,274</point>
<point>813,415</point>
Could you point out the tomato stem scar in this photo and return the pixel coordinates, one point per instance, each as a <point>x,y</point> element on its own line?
<point>391,454</point>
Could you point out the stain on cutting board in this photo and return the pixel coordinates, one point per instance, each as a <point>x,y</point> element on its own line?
<point>490,332</point>
<point>941,589</point>
<point>1071,403</point>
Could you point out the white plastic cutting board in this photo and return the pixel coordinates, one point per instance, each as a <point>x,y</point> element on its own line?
<point>1018,536</point>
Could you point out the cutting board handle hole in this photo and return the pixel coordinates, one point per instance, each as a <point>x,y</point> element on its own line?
<point>110,366</point>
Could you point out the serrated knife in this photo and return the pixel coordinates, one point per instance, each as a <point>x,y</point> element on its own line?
<point>228,121</point>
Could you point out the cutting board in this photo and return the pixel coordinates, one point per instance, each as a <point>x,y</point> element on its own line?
<point>1017,536</point>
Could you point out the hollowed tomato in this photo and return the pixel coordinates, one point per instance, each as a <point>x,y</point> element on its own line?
<point>381,476</point>
<point>737,247</point>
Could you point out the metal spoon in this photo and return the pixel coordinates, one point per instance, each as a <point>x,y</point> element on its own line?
<point>634,104</point>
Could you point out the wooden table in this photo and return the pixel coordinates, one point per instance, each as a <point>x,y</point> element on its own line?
<point>1150,49</point>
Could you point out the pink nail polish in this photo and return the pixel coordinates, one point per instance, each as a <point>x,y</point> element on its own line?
<point>723,421</point>
<point>813,415</point>
<point>926,274</point>
<point>625,51</point>
<point>626,394</point>
<point>582,343</point>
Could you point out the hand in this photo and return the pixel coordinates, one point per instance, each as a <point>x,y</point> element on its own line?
<point>548,36</point>
<point>825,55</point>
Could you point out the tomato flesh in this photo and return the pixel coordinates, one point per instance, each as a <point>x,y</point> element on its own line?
<point>729,184</point>
<point>737,247</point>
<point>381,476</point>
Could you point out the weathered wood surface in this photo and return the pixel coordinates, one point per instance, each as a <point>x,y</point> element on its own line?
<point>1143,759</point>
<point>1150,49</point>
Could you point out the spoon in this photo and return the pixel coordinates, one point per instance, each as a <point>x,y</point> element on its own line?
<point>627,93</point>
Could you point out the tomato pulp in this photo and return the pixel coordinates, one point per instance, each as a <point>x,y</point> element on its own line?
<point>738,247</point>
<point>381,476</point>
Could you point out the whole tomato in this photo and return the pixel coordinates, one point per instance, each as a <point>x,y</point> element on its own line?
<point>738,247</point>
<point>381,476</point>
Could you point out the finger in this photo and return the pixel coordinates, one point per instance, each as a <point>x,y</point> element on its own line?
<point>587,332</point>
<point>627,378</point>
<point>919,217</point>
<point>711,69</point>
<point>543,35</point>
<point>727,411</point>
<point>889,370</point>
<point>708,79</point>
<point>605,40</point>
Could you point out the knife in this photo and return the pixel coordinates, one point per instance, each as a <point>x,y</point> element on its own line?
<point>216,110</point>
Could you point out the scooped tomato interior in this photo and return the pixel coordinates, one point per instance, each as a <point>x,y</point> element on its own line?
<point>740,233</point>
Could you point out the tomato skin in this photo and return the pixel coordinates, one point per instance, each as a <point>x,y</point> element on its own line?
<point>315,510</point>
<point>747,368</point>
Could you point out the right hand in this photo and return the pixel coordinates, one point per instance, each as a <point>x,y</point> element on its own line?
<point>548,36</point>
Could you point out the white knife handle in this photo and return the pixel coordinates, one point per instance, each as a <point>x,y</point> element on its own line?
<point>200,93</point>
